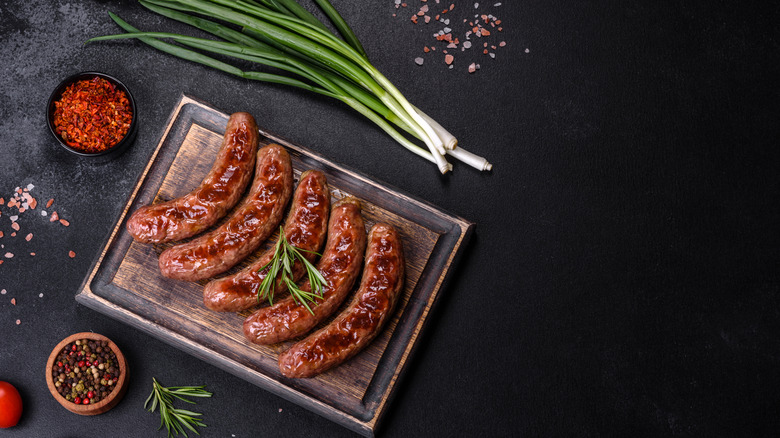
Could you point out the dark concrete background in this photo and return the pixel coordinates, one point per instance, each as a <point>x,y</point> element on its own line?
<point>624,276</point>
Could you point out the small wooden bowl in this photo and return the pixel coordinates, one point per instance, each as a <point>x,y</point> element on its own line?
<point>107,403</point>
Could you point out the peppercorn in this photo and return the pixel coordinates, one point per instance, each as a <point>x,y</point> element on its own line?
<point>81,378</point>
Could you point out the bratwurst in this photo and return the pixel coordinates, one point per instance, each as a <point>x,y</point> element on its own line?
<point>220,190</point>
<point>305,229</point>
<point>251,223</point>
<point>356,326</point>
<point>339,265</point>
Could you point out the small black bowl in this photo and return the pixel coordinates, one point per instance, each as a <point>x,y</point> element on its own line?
<point>115,150</point>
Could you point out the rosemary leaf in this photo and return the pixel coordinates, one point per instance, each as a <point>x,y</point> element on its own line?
<point>172,418</point>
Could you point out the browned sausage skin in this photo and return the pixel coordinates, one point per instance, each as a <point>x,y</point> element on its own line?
<point>339,265</point>
<point>356,327</point>
<point>220,190</point>
<point>250,224</point>
<point>305,228</point>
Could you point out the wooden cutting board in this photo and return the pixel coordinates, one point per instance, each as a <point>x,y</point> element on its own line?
<point>125,282</point>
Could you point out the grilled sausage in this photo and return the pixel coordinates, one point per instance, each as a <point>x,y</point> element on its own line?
<point>220,190</point>
<point>250,224</point>
<point>340,265</point>
<point>305,229</point>
<point>356,326</point>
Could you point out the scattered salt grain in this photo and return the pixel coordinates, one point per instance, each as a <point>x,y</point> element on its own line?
<point>18,321</point>
<point>43,213</point>
<point>527,51</point>
<point>40,295</point>
<point>419,61</point>
<point>3,292</point>
<point>30,186</point>
<point>476,5</point>
<point>9,255</point>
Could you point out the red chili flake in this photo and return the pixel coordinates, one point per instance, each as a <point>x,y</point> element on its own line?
<point>13,234</point>
<point>1,234</point>
<point>18,321</point>
<point>54,217</point>
<point>426,49</point>
<point>92,115</point>
<point>448,59</point>
<point>64,222</point>
<point>13,301</point>
<point>502,44</point>
<point>48,204</point>
<point>2,201</point>
<point>15,226</point>
<point>28,237</point>
<point>414,19</point>
<point>71,254</point>
<point>32,254</point>
<point>485,32</point>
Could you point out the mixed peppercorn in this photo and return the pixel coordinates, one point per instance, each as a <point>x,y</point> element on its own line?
<point>93,115</point>
<point>86,371</point>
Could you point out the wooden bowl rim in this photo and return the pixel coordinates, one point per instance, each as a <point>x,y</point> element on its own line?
<point>103,405</point>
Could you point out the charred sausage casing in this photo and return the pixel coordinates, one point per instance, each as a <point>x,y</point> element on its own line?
<point>356,326</point>
<point>249,225</point>
<point>339,265</point>
<point>220,190</point>
<point>305,228</point>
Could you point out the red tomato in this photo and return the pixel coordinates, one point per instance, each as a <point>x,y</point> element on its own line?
<point>10,405</point>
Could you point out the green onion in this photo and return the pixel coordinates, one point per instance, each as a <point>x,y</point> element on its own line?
<point>283,35</point>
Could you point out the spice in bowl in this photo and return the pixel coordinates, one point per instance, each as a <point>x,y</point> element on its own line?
<point>85,371</point>
<point>93,115</point>
<point>87,374</point>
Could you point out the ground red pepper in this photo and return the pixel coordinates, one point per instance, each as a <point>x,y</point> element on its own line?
<point>92,115</point>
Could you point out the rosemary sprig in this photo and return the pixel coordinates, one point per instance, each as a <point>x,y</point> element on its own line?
<point>172,418</point>
<point>281,265</point>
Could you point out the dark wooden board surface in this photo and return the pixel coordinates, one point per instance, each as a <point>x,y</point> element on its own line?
<point>125,282</point>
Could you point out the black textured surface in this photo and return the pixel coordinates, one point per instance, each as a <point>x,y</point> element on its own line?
<point>624,278</point>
